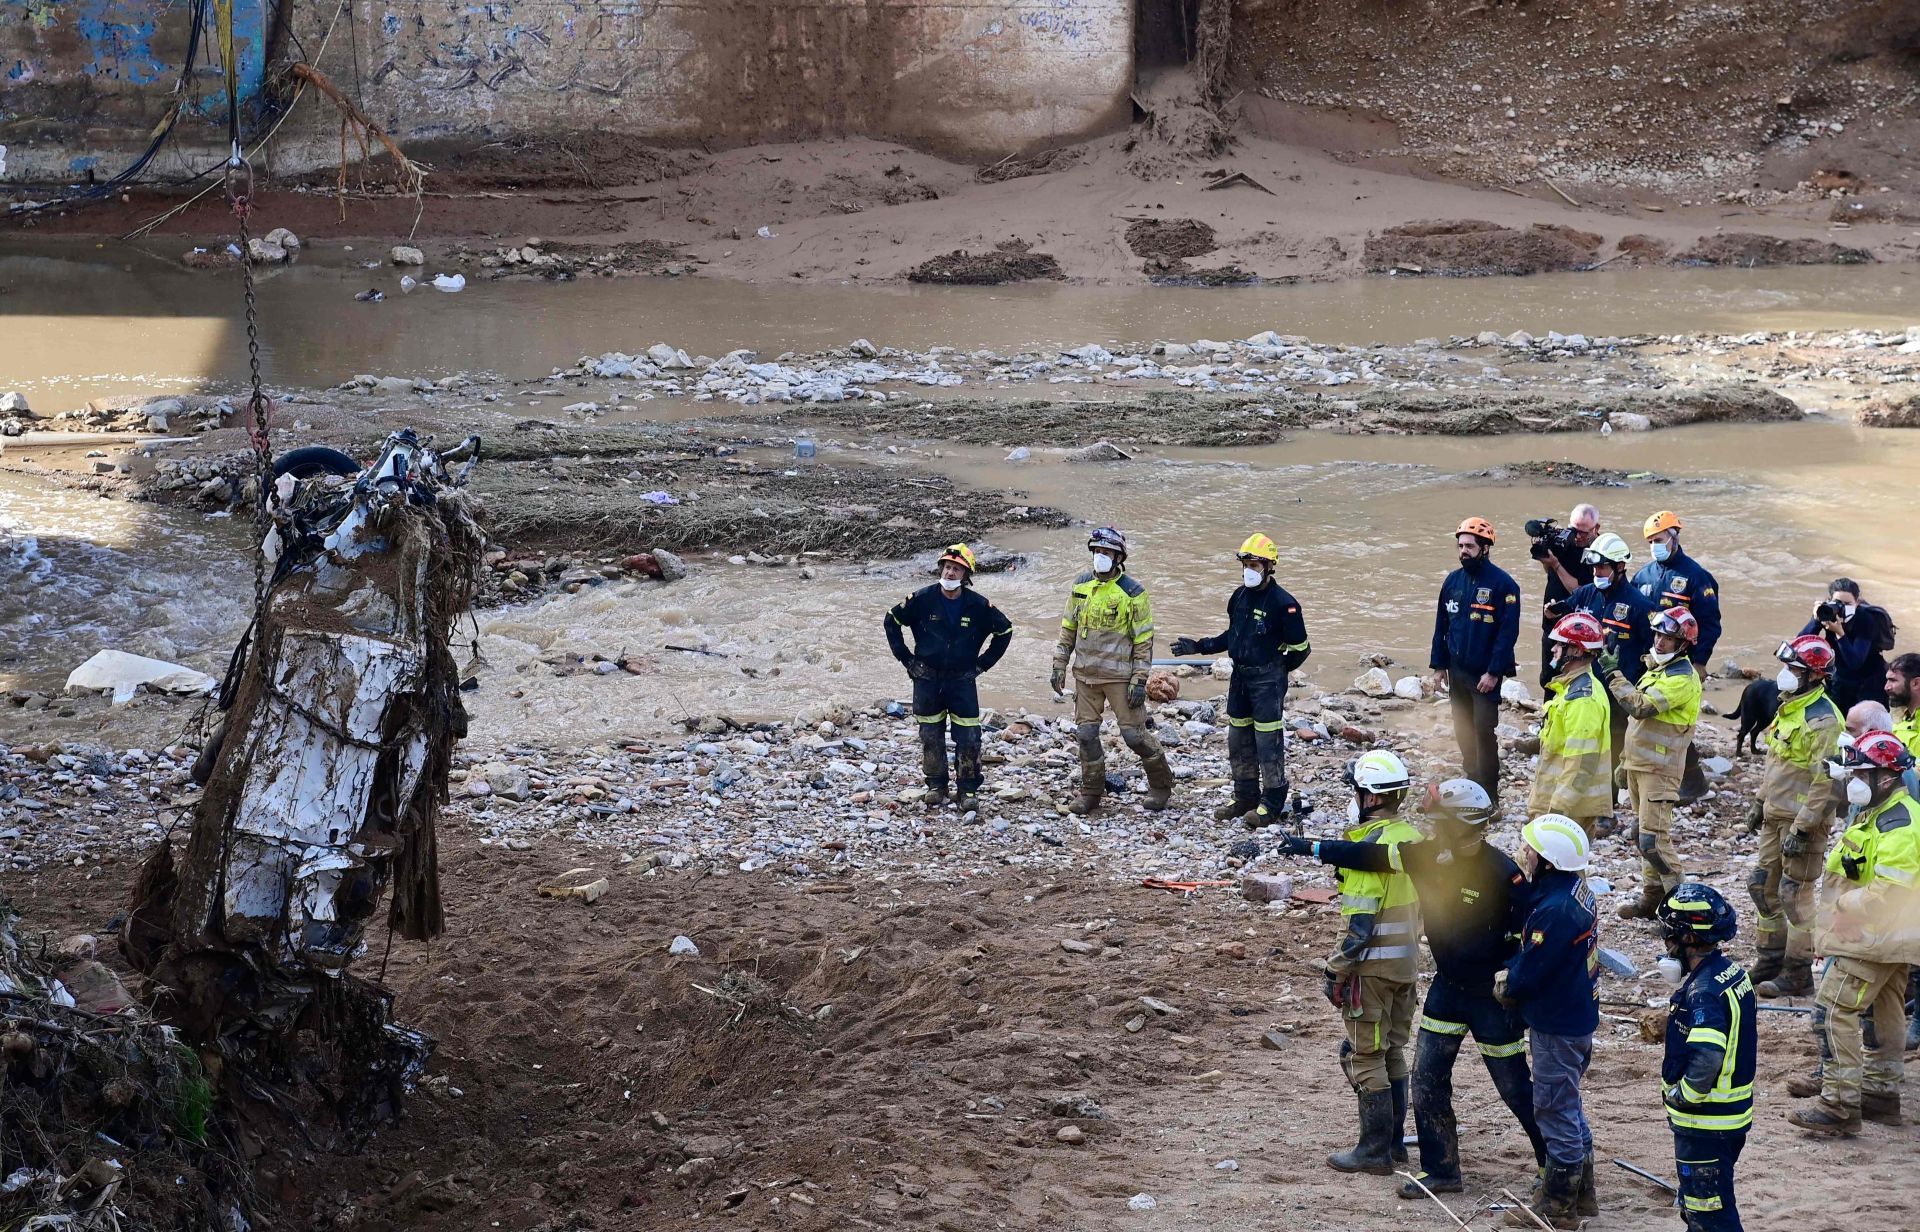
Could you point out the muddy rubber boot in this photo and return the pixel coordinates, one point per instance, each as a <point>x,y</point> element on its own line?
<point>1766,966</point>
<point>1827,1120</point>
<point>1246,798</point>
<point>1587,1201</point>
<point>1558,1194</point>
<point>1795,980</point>
<point>1643,908</point>
<point>1693,780</point>
<point>1093,786</point>
<point>966,802</point>
<point>1374,1152</point>
<point>1434,1184</point>
<point>1881,1109</point>
<point>936,796</point>
<point>1399,1151</point>
<point>1159,782</point>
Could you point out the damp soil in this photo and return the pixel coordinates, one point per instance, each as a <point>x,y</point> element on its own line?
<point>1180,418</point>
<point>1479,248</point>
<point>1012,261</point>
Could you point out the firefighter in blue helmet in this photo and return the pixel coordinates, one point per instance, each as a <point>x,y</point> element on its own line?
<point>1706,1078</point>
<point>957,634</point>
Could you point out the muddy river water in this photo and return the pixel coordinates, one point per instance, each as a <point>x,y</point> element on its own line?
<point>1364,522</point>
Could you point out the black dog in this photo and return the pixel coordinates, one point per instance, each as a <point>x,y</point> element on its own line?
<point>1759,701</point>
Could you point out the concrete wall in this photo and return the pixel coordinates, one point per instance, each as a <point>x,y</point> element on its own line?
<point>82,81</point>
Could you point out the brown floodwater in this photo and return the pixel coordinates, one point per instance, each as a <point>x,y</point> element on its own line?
<point>78,321</point>
<point>1364,523</point>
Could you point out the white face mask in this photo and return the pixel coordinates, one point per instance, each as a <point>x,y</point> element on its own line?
<point>1788,682</point>
<point>1847,610</point>
<point>1672,970</point>
<point>1662,657</point>
<point>1661,551</point>
<point>950,584</point>
<point>1601,583</point>
<point>1858,792</point>
<point>1102,563</point>
<point>1252,577</point>
<point>1353,812</point>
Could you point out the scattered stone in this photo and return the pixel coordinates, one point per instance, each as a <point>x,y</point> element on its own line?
<point>1141,1202</point>
<point>1266,887</point>
<point>683,946</point>
<point>1074,945</point>
<point>13,402</point>
<point>1072,1135</point>
<point>1374,682</point>
<point>1273,1039</point>
<point>1100,451</point>
<point>402,254</point>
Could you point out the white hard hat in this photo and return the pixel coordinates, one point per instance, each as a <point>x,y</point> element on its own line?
<point>1559,840</point>
<point>1378,772</point>
<point>1608,547</point>
<point>1463,799</point>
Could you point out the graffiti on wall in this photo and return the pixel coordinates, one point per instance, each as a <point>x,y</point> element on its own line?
<point>129,47</point>
<point>609,48</point>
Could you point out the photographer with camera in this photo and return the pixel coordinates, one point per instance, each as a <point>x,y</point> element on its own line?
<point>1861,634</point>
<point>1559,550</point>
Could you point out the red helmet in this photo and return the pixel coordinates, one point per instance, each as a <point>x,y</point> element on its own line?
<point>1676,622</point>
<point>1809,652</point>
<point>1878,750</point>
<point>1582,630</point>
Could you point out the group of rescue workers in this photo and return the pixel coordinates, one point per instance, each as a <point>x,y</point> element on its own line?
<point>1516,949</point>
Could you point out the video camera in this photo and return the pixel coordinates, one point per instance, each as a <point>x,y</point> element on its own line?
<point>1547,535</point>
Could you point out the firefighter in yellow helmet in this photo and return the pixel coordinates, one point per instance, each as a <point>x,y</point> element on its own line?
<point>1266,638</point>
<point>957,634</point>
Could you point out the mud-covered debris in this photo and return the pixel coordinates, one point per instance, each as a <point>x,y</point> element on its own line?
<point>1170,239</point>
<point>1012,261</point>
<point>1748,250</point>
<point>1475,247</point>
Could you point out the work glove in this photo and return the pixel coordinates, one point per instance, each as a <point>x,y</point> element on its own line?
<point>1059,678</point>
<point>1500,988</point>
<point>919,668</point>
<point>1183,646</point>
<point>1294,845</point>
<point>1852,866</point>
<point>1341,991</point>
<point>1137,692</point>
<point>1794,843</point>
<point>1608,663</point>
<point>1756,813</point>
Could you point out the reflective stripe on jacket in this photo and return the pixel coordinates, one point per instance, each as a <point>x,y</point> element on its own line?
<point>1663,707</point>
<point>1713,1011</point>
<point>1869,906</point>
<point>1575,775</point>
<point>1806,732</point>
<point>1107,630</point>
<point>1389,898</point>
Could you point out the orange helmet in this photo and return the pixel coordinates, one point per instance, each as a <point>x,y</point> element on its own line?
<point>1479,527</point>
<point>1665,520</point>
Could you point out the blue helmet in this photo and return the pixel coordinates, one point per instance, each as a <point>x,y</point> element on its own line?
<point>1697,913</point>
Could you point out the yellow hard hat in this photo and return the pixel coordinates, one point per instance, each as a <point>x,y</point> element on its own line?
<point>1261,547</point>
<point>959,554</point>
<point>1665,520</point>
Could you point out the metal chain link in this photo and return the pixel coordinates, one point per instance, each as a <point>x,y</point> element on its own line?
<point>259,406</point>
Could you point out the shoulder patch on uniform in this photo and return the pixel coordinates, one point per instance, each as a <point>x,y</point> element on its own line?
<point>1893,819</point>
<point>1292,610</point>
<point>1513,598</point>
<point>1132,587</point>
<point>1707,593</point>
<point>1536,937</point>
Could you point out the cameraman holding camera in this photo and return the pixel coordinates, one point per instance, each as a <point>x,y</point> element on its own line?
<point>1559,550</point>
<point>1861,634</point>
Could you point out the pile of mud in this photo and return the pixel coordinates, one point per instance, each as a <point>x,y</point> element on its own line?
<point>688,501</point>
<point>1747,250</point>
<point>1900,412</point>
<point>1011,261</point>
<point>1474,247</point>
<point>1170,239</point>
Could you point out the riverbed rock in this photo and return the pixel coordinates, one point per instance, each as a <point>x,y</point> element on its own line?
<point>1374,682</point>
<point>672,568</point>
<point>13,402</point>
<point>262,252</point>
<point>1222,668</point>
<point>284,239</point>
<point>509,782</point>
<point>1629,421</point>
<point>402,254</point>
<point>1100,451</point>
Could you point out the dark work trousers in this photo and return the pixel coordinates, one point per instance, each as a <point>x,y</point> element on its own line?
<point>1452,1011</point>
<point>1706,1179</point>
<point>954,698</point>
<point>1475,715</point>
<point>1256,735</point>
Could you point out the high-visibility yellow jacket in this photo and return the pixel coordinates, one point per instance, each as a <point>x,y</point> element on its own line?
<point>1575,775</point>
<point>1806,731</point>
<point>1390,950</point>
<point>1108,630</point>
<point>1869,904</point>
<point>1663,708</point>
<point>1906,725</point>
